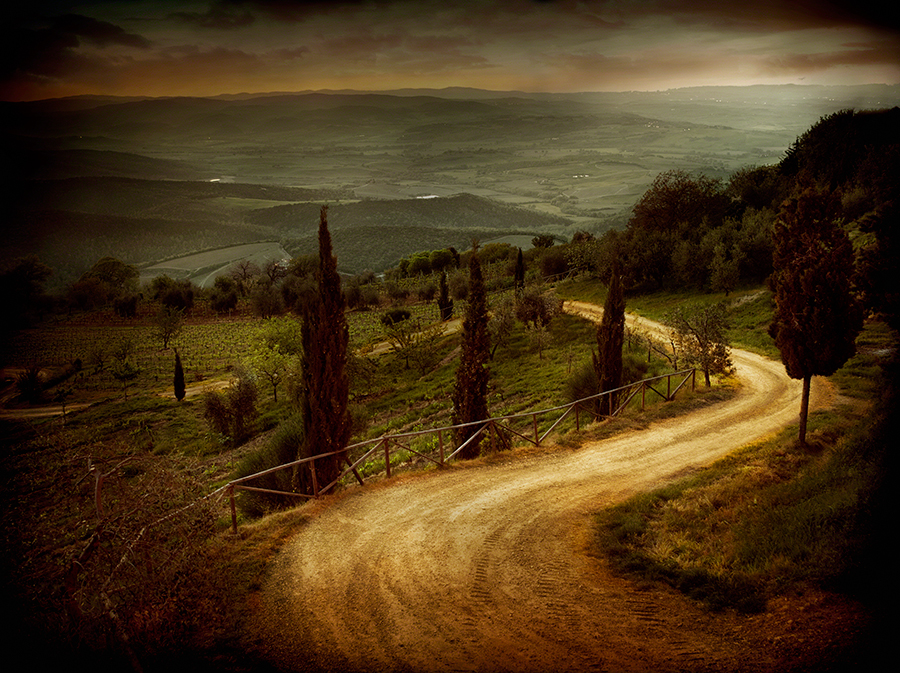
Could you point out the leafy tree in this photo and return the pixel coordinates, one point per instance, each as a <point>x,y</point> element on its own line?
<point>116,276</point>
<point>126,306</point>
<point>325,393</point>
<point>275,348</point>
<point>414,343</point>
<point>542,241</point>
<point>244,272</point>
<point>538,308</point>
<point>223,298</point>
<point>459,286</point>
<point>699,333</point>
<point>274,271</point>
<point>172,293</point>
<point>503,319</point>
<point>88,293</point>
<point>724,270</point>
<point>441,260</point>
<point>122,367</point>
<point>169,322</point>
<point>817,316</point>
<point>472,374</point>
<point>677,203</point>
<point>554,263</point>
<point>178,382</point>
<point>266,300</point>
<point>303,266</point>
<point>610,340</point>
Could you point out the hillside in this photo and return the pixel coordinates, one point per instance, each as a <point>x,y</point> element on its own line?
<point>581,160</point>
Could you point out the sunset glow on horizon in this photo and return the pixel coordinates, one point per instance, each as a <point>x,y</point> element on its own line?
<point>161,48</point>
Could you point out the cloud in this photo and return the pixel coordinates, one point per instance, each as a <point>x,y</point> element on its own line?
<point>217,17</point>
<point>876,53</point>
<point>50,48</point>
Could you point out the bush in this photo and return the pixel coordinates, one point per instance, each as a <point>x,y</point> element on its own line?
<point>29,385</point>
<point>282,448</point>
<point>231,414</point>
<point>126,307</point>
<point>395,315</point>
<point>582,383</point>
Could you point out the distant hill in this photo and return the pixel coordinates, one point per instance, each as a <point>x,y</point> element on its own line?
<point>179,173</point>
<point>375,235</point>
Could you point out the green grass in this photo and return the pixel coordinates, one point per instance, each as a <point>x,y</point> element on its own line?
<point>750,309</point>
<point>773,515</point>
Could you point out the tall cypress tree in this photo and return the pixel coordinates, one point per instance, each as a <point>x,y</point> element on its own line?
<point>817,317</point>
<point>610,339</point>
<point>444,302</point>
<point>519,275</point>
<point>472,375</point>
<point>325,394</point>
<point>179,378</point>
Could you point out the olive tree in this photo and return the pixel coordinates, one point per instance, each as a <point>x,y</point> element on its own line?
<point>699,333</point>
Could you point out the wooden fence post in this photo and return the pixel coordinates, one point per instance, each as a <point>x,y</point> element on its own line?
<point>233,509</point>
<point>315,480</point>
<point>577,426</point>
<point>387,457</point>
<point>441,446</point>
<point>537,439</point>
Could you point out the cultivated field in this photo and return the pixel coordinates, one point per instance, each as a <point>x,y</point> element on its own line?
<point>115,180</point>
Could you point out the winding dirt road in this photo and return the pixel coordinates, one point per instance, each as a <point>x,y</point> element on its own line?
<point>486,568</point>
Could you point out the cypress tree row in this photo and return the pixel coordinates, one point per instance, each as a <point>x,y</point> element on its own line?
<point>472,375</point>
<point>325,393</point>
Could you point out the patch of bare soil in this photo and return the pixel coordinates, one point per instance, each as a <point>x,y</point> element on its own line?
<point>487,567</point>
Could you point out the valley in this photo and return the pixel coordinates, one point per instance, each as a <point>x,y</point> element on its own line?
<point>151,179</point>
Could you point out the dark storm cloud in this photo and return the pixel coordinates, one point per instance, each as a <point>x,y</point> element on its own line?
<point>50,47</point>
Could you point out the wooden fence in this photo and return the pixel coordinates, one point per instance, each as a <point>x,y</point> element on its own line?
<point>498,430</point>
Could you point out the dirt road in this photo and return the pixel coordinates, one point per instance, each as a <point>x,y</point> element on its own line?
<point>485,568</point>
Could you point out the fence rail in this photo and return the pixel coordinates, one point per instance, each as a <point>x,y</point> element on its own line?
<point>616,400</point>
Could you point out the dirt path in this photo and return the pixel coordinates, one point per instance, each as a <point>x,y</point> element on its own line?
<point>486,567</point>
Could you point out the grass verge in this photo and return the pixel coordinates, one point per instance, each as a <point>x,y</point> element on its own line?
<point>775,515</point>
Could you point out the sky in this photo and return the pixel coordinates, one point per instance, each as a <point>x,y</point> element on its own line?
<point>55,48</point>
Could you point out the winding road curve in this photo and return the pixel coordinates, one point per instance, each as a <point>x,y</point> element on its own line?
<point>486,567</point>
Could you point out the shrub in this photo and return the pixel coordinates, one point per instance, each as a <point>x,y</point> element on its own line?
<point>395,315</point>
<point>232,414</point>
<point>281,448</point>
<point>29,385</point>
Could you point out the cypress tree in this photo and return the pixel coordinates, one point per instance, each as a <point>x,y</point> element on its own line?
<point>444,302</point>
<point>325,393</point>
<point>610,339</point>
<point>179,378</point>
<point>472,375</point>
<point>519,275</point>
<point>817,317</point>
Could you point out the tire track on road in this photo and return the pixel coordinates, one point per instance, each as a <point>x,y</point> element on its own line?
<point>484,567</point>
